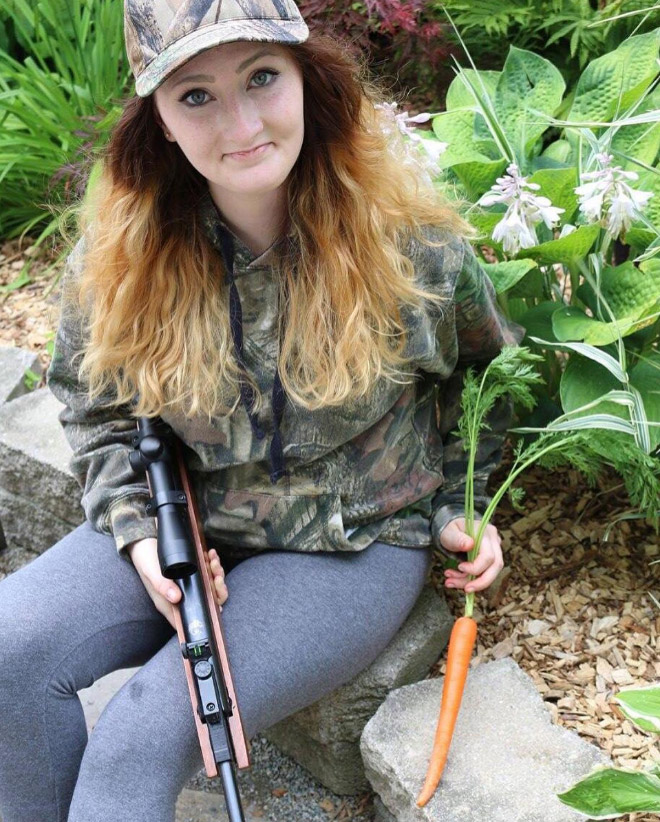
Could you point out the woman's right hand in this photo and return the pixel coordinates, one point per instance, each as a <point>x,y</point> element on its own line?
<point>163,591</point>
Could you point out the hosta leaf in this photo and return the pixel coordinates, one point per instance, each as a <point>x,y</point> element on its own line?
<point>456,128</point>
<point>639,238</point>
<point>557,185</point>
<point>571,323</point>
<point>558,150</point>
<point>650,726</point>
<point>565,250</point>
<point>645,376</point>
<point>585,381</point>
<point>626,71</point>
<point>641,705</point>
<point>608,793</point>
<point>650,181</point>
<point>478,177</point>
<point>591,352</point>
<point>538,321</point>
<point>527,81</point>
<point>629,291</point>
<point>485,222</point>
<point>531,285</point>
<point>505,275</point>
<point>459,96</point>
<point>641,141</point>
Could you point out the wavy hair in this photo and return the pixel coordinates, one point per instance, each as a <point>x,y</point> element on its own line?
<point>158,324</point>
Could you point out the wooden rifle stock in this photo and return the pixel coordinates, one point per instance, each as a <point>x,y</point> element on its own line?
<point>239,740</point>
<point>183,557</point>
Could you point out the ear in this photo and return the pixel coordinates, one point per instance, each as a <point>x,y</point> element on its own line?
<point>159,120</point>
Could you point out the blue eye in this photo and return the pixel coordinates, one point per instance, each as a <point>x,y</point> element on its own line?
<point>195,98</point>
<point>264,73</point>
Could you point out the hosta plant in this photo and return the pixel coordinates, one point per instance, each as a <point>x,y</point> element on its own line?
<point>567,214</point>
<point>610,792</point>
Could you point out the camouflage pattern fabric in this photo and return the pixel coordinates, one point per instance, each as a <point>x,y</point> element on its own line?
<point>385,467</point>
<point>162,35</point>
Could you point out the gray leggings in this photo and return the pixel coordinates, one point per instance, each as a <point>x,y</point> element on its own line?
<point>297,626</point>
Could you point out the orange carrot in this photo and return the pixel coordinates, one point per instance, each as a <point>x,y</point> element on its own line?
<point>461,643</point>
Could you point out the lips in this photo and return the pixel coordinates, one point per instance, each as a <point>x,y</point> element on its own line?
<point>253,152</point>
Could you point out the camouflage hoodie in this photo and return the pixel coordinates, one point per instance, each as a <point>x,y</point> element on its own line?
<point>385,467</point>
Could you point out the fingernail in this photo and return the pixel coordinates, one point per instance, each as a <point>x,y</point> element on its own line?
<point>171,595</point>
<point>462,568</point>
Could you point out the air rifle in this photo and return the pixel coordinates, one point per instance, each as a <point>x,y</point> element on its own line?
<point>183,558</point>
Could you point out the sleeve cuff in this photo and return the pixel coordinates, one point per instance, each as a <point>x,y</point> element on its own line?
<point>129,522</point>
<point>442,516</point>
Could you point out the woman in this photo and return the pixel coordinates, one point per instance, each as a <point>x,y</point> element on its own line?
<point>261,266</point>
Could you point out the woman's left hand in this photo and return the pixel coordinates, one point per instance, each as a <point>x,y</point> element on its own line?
<point>485,567</point>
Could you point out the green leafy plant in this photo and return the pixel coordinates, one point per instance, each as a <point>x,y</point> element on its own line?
<point>31,379</point>
<point>568,215</point>
<point>586,441</point>
<point>609,792</point>
<point>569,32</point>
<point>56,106</point>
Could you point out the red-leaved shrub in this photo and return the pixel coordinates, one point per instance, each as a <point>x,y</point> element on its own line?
<point>402,39</point>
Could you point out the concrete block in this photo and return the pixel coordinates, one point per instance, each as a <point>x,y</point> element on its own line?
<point>13,364</point>
<point>324,738</point>
<point>507,760</point>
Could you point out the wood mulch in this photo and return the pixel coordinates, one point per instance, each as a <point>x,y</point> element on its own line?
<point>575,610</point>
<point>28,315</point>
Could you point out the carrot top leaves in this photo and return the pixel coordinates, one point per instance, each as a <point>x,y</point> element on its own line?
<point>585,443</point>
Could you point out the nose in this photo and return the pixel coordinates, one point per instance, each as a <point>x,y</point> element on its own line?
<point>241,124</point>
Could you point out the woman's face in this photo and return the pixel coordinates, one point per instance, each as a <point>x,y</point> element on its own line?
<point>228,101</point>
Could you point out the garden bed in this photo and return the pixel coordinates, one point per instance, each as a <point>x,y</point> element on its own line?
<point>573,609</point>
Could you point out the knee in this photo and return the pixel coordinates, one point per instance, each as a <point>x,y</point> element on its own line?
<point>19,631</point>
<point>30,630</point>
<point>149,723</point>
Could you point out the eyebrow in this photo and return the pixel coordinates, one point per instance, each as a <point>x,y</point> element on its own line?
<point>208,78</point>
<point>196,78</point>
<point>263,53</point>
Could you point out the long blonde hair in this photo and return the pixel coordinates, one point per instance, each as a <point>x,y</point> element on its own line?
<point>157,313</point>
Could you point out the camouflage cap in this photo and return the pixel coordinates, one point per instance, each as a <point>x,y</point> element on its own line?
<point>162,35</point>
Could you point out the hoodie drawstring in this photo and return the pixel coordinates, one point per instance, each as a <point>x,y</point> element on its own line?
<point>278,399</point>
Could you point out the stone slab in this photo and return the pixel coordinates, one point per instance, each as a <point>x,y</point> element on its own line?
<point>35,455</point>
<point>381,814</point>
<point>31,526</point>
<point>507,760</point>
<point>325,737</point>
<point>13,364</point>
